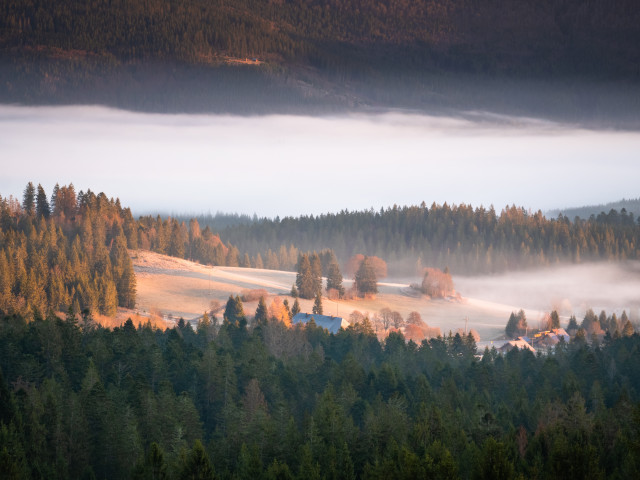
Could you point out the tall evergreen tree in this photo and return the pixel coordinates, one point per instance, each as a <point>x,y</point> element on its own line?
<point>42,204</point>
<point>295,309</point>
<point>334,279</point>
<point>234,310</point>
<point>29,199</point>
<point>365,279</point>
<point>261,312</point>
<point>307,286</point>
<point>317,304</point>
<point>54,198</point>
<point>316,272</point>
<point>197,465</point>
<point>124,275</point>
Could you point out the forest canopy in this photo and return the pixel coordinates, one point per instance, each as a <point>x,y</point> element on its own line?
<point>235,399</point>
<point>276,402</point>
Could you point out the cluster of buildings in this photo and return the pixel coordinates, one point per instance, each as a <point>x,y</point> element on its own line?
<point>540,340</point>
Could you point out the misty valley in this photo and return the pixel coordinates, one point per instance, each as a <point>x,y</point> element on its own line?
<point>319,240</point>
<point>470,343</point>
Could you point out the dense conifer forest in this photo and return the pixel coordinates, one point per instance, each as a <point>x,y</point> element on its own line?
<point>625,206</point>
<point>568,59</point>
<point>227,401</point>
<point>465,239</point>
<point>69,254</point>
<point>239,398</point>
<point>71,251</point>
<point>515,36</point>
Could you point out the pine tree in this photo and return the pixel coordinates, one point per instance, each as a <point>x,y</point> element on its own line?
<point>334,279</point>
<point>177,240</point>
<point>29,199</point>
<point>124,276</point>
<point>365,280</point>
<point>234,310</point>
<point>317,304</point>
<point>316,272</point>
<point>54,199</point>
<point>258,262</point>
<point>511,329</point>
<point>197,465</point>
<point>261,312</point>
<point>296,308</point>
<point>42,204</point>
<point>307,287</point>
<point>573,323</point>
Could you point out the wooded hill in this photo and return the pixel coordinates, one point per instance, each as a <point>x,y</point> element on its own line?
<point>158,55</point>
<point>278,403</point>
<point>516,36</point>
<point>69,254</point>
<point>72,251</point>
<point>241,400</point>
<point>465,239</point>
<point>605,212</point>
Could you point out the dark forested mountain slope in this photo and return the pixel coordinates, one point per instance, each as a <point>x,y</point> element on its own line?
<point>308,52</point>
<point>518,35</point>
<point>270,402</point>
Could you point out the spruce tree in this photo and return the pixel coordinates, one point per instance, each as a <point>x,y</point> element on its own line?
<point>573,323</point>
<point>54,199</point>
<point>511,330</point>
<point>197,465</point>
<point>42,204</point>
<point>29,199</point>
<point>334,279</point>
<point>261,312</point>
<point>317,304</point>
<point>258,263</point>
<point>234,311</point>
<point>316,272</point>
<point>307,287</point>
<point>365,280</point>
<point>124,276</point>
<point>295,309</point>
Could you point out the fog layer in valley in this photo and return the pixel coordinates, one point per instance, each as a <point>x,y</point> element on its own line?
<point>292,165</point>
<point>571,289</point>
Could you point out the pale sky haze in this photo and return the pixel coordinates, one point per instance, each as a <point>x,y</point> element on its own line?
<point>287,165</point>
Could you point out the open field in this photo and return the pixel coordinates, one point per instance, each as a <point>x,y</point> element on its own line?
<point>173,288</point>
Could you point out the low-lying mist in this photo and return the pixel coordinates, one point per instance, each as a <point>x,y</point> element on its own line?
<point>292,165</point>
<point>570,289</point>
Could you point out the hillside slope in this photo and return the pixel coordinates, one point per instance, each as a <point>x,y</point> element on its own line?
<point>179,288</point>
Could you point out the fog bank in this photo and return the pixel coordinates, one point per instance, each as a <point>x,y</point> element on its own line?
<point>570,289</point>
<point>292,165</point>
